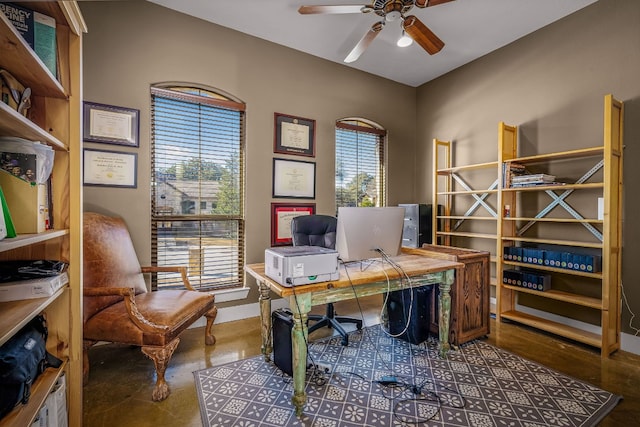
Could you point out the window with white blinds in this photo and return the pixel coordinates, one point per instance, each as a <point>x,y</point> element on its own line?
<point>197,186</point>
<point>360,164</point>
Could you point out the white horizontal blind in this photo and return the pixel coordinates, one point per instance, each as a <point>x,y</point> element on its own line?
<point>197,187</point>
<point>359,164</point>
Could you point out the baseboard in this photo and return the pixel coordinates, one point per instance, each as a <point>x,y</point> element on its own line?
<point>628,342</point>
<point>239,312</point>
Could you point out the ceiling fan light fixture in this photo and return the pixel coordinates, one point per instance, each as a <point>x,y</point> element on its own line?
<point>404,40</point>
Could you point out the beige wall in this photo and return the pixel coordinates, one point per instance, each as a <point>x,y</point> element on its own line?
<point>131,45</point>
<point>551,84</point>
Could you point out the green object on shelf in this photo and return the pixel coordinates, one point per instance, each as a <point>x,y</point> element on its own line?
<point>8,222</point>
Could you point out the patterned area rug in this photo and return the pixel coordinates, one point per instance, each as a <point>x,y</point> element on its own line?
<point>383,381</point>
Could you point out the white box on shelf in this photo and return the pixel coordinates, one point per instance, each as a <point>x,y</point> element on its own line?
<point>32,288</point>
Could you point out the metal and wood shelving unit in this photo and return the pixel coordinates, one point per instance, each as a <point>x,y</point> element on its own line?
<point>468,203</point>
<point>55,120</point>
<point>527,219</point>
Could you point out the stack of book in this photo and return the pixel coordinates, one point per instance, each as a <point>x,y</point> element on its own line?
<point>509,170</point>
<point>532,179</point>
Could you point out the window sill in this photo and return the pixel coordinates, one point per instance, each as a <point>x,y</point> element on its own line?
<point>225,295</point>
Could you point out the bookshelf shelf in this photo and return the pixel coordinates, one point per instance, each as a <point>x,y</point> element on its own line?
<point>12,123</point>
<point>562,187</point>
<point>557,328</point>
<point>576,243</point>
<point>24,240</point>
<point>461,234</point>
<point>16,314</point>
<point>553,269</point>
<point>562,296</point>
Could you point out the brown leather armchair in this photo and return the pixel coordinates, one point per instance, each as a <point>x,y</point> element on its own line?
<point>118,308</point>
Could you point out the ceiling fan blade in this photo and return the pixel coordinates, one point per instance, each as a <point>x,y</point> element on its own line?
<point>428,3</point>
<point>364,42</point>
<point>310,10</point>
<point>422,35</point>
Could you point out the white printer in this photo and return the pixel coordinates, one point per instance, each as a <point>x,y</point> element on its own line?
<point>301,265</point>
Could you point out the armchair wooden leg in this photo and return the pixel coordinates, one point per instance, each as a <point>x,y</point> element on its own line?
<point>161,357</point>
<point>209,339</point>
<point>86,344</point>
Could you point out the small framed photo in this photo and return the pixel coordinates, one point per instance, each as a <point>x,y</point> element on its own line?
<point>281,216</point>
<point>109,124</point>
<point>294,135</point>
<point>294,179</point>
<point>110,168</point>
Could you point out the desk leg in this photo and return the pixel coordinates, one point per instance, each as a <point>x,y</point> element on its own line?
<point>300,306</point>
<point>444,308</point>
<point>265,319</point>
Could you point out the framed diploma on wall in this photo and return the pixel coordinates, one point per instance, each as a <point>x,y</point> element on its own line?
<point>110,168</point>
<point>294,135</point>
<point>294,179</point>
<point>109,124</point>
<point>281,216</point>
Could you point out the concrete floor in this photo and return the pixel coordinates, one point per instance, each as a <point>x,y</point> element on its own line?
<point>121,379</point>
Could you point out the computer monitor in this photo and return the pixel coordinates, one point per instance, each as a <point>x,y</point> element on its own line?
<point>360,231</point>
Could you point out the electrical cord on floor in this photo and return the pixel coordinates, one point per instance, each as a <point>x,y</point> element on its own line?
<point>418,394</point>
<point>633,315</point>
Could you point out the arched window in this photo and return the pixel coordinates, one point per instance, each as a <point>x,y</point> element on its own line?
<point>197,140</point>
<point>360,163</point>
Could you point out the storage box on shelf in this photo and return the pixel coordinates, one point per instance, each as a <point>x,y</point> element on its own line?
<point>564,236</point>
<point>53,119</point>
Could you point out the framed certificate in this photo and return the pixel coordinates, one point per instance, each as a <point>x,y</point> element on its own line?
<point>281,216</point>
<point>294,135</point>
<point>110,125</point>
<point>294,179</point>
<point>110,168</point>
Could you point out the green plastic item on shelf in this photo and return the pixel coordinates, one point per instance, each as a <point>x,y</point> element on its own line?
<point>8,222</point>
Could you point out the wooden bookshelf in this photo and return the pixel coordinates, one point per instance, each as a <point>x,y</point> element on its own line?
<point>53,119</point>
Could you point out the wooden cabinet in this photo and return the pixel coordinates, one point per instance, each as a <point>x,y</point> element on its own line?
<point>54,119</point>
<point>470,311</point>
<point>568,224</point>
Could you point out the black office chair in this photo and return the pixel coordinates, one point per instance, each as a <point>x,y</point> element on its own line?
<point>320,230</point>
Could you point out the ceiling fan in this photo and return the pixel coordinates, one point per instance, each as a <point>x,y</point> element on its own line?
<point>389,10</point>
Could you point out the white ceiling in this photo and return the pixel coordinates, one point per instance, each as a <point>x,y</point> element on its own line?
<point>469,28</point>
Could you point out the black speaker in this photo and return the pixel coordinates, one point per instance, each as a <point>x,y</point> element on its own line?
<point>281,325</point>
<point>398,304</point>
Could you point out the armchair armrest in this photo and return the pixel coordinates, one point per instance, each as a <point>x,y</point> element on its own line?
<point>107,292</point>
<point>130,304</point>
<point>171,269</point>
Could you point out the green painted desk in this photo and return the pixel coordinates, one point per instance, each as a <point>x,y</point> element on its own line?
<point>371,281</point>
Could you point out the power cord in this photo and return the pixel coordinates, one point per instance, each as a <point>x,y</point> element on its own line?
<point>633,315</point>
